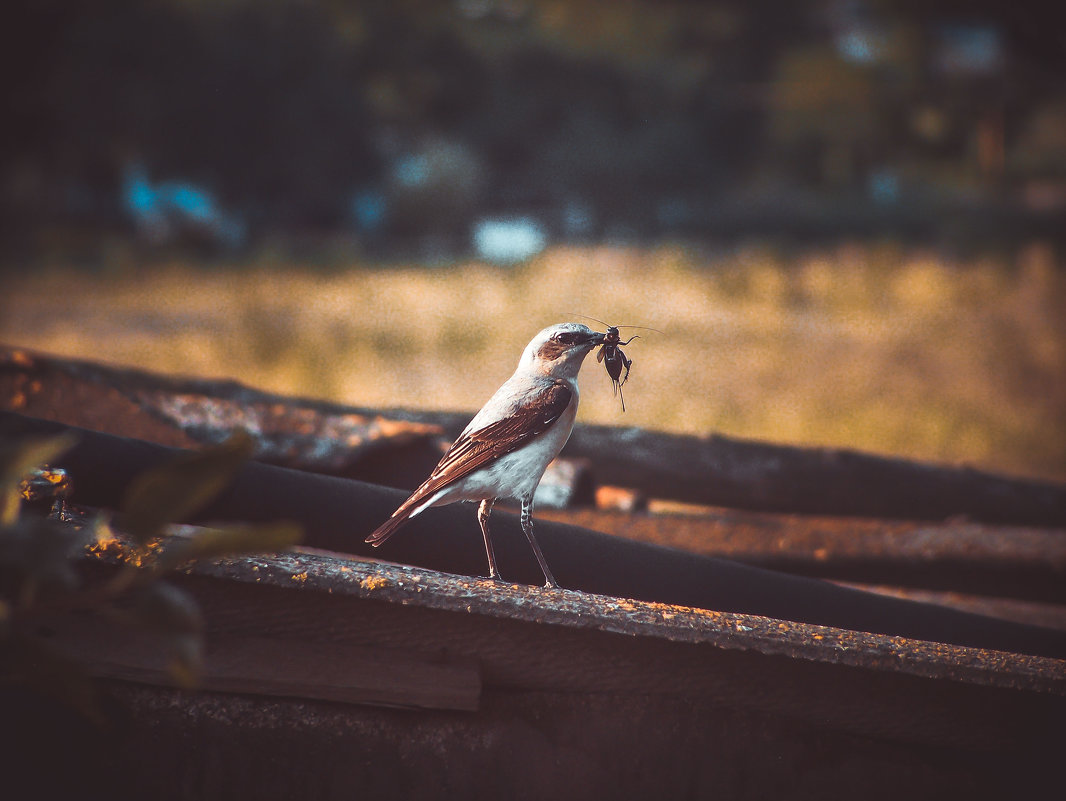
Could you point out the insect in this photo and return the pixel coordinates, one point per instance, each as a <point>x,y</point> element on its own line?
<point>610,353</point>
<point>612,356</point>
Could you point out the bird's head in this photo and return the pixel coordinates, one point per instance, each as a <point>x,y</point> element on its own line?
<point>559,349</point>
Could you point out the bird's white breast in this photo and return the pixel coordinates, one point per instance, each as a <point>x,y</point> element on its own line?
<point>515,474</point>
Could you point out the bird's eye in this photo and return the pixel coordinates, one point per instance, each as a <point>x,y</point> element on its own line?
<point>566,338</point>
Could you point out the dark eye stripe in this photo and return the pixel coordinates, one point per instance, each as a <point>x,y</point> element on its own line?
<point>551,349</point>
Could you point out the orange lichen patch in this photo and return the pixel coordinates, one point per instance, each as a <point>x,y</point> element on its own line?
<point>109,545</point>
<point>45,483</point>
<point>105,540</point>
<point>394,428</point>
<point>373,582</point>
<point>300,577</point>
<point>54,476</point>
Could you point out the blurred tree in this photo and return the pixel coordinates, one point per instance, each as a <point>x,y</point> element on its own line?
<point>825,106</point>
<point>288,109</point>
<point>1040,148</point>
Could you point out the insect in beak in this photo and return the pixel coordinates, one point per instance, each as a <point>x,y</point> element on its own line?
<point>613,358</point>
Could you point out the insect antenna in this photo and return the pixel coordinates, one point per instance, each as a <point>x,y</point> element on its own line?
<point>601,322</point>
<point>587,317</point>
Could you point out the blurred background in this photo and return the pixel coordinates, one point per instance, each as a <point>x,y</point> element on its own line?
<point>846,216</point>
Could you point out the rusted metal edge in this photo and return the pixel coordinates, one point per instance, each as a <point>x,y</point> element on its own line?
<point>1032,613</point>
<point>400,584</point>
<point>184,411</point>
<point>1009,561</point>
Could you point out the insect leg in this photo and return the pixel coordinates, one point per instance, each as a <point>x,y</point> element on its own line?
<point>627,363</point>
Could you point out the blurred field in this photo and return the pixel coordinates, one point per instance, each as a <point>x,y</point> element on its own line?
<point>871,347</point>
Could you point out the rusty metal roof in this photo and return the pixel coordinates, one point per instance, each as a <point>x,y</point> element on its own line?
<point>309,570</point>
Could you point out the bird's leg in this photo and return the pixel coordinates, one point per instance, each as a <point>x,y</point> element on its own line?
<point>527,527</point>
<point>483,512</point>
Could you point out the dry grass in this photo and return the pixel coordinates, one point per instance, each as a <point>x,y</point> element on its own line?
<point>874,348</point>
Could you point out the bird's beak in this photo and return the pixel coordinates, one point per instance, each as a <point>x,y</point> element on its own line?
<point>596,338</point>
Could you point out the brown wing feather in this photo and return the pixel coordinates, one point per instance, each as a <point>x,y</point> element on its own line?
<point>476,449</point>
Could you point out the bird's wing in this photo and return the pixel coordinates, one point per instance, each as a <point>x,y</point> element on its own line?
<point>475,449</point>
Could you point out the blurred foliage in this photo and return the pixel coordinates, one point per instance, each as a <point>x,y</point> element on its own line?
<point>1041,145</point>
<point>40,581</point>
<point>288,108</point>
<point>175,490</point>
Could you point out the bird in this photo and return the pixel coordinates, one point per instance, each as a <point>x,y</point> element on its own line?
<point>504,450</point>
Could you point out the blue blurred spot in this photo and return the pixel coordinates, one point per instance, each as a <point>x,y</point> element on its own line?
<point>861,46</point>
<point>368,208</point>
<point>509,241</point>
<point>412,170</point>
<point>970,48</point>
<point>883,186</point>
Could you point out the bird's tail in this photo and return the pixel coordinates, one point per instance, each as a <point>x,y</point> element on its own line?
<point>388,528</point>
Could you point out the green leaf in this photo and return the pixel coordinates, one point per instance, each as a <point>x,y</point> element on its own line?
<point>173,491</point>
<point>233,540</point>
<point>18,459</point>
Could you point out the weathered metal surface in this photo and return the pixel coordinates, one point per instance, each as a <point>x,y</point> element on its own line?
<point>713,470</point>
<point>585,698</point>
<point>410,586</point>
<point>526,639</point>
<point>956,555</point>
<point>579,694</point>
<point>337,514</point>
<point>284,433</point>
<point>186,412</point>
